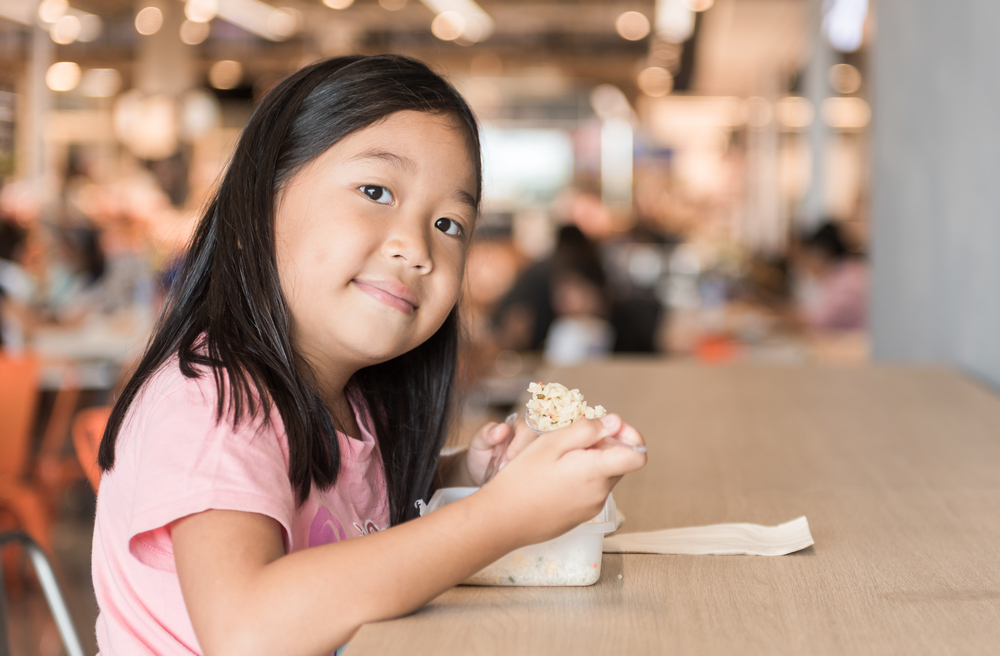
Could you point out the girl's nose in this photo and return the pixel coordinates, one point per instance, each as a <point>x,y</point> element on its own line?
<point>409,242</point>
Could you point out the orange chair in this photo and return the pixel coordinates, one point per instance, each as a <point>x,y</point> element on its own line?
<point>88,428</point>
<point>18,403</point>
<point>54,472</point>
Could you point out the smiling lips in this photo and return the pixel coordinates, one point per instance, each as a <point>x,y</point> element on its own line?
<point>390,293</point>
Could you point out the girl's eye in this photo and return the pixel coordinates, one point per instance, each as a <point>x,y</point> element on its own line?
<point>449,227</point>
<point>377,193</point>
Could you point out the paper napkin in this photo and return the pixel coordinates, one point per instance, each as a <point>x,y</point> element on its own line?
<point>717,539</point>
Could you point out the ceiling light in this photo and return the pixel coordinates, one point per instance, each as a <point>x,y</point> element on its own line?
<point>284,21</point>
<point>844,23</point>
<point>674,20</point>
<point>147,125</point>
<point>338,4</point>
<point>655,81</point>
<point>448,25</point>
<point>49,11</point>
<point>632,25</point>
<point>225,74</point>
<point>476,23</point>
<point>63,76</point>
<point>149,21</point>
<point>201,11</point>
<point>193,33</point>
<point>700,5</point>
<point>65,30</point>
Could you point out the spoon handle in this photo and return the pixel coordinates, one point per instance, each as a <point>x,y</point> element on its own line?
<point>500,450</point>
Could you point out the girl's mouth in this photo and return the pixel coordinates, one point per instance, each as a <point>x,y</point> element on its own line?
<point>390,293</point>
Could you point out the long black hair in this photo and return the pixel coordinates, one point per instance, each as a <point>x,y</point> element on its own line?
<point>226,310</point>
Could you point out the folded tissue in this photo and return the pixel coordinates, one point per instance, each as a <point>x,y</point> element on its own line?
<point>717,539</point>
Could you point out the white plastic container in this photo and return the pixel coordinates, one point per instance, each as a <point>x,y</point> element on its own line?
<point>571,559</point>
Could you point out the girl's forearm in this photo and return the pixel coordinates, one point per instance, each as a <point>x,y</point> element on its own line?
<point>312,601</point>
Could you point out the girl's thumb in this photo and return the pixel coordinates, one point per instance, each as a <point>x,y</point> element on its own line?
<point>497,433</point>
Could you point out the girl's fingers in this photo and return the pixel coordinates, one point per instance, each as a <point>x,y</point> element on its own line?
<point>629,435</point>
<point>618,461</point>
<point>523,436</point>
<point>489,436</point>
<point>585,433</point>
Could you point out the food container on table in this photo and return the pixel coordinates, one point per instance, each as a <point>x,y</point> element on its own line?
<point>573,558</point>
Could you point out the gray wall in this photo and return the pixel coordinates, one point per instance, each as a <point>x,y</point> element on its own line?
<point>936,184</point>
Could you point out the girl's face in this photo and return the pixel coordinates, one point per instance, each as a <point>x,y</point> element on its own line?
<point>371,238</point>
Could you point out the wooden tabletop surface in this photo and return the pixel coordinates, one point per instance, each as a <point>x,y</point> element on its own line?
<point>897,470</point>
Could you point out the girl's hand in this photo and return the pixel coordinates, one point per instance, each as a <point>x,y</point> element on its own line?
<point>562,478</point>
<point>486,440</point>
<point>467,468</point>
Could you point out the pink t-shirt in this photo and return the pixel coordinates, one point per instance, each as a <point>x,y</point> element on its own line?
<point>172,460</point>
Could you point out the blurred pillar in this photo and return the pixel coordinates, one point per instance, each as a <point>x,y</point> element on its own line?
<point>766,223</point>
<point>816,86</point>
<point>165,64</point>
<point>935,197</point>
<point>36,112</point>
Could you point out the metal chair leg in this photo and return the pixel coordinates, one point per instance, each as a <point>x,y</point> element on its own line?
<point>50,587</point>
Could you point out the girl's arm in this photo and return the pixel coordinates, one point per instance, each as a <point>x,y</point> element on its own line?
<point>246,597</point>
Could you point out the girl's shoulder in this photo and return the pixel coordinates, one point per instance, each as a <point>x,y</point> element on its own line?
<point>169,381</point>
<point>196,405</point>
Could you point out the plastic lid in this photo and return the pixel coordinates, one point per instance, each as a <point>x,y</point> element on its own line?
<point>605,522</point>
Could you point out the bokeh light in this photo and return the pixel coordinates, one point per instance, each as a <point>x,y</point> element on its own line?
<point>632,25</point>
<point>193,33</point>
<point>65,30</point>
<point>149,21</point>
<point>448,25</point>
<point>201,11</point>
<point>225,74</point>
<point>63,76</point>
<point>845,78</point>
<point>655,81</point>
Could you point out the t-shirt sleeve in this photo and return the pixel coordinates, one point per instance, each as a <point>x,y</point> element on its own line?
<point>187,462</point>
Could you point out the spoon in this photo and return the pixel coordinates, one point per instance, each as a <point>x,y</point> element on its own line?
<point>500,450</point>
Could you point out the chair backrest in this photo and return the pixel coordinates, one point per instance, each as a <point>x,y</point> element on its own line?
<point>88,428</point>
<point>18,402</point>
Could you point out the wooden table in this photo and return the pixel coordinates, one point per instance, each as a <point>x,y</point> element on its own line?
<point>897,469</point>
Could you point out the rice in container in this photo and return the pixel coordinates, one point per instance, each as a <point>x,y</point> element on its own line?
<point>573,558</point>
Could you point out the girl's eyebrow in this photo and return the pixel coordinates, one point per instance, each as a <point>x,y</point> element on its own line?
<point>466,198</point>
<point>408,165</point>
<point>392,159</point>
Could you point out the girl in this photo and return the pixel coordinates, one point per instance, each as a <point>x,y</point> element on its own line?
<point>316,312</point>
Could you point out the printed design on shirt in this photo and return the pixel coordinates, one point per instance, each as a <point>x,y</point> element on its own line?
<point>325,528</point>
<point>369,527</point>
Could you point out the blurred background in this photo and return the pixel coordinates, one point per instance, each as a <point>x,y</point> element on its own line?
<point>794,182</point>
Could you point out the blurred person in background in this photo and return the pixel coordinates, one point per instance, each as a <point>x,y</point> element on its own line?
<point>17,287</point>
<point>833,282</point>
<point>579,301</point>
<point>73,275</point>
<point>523,317</point>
